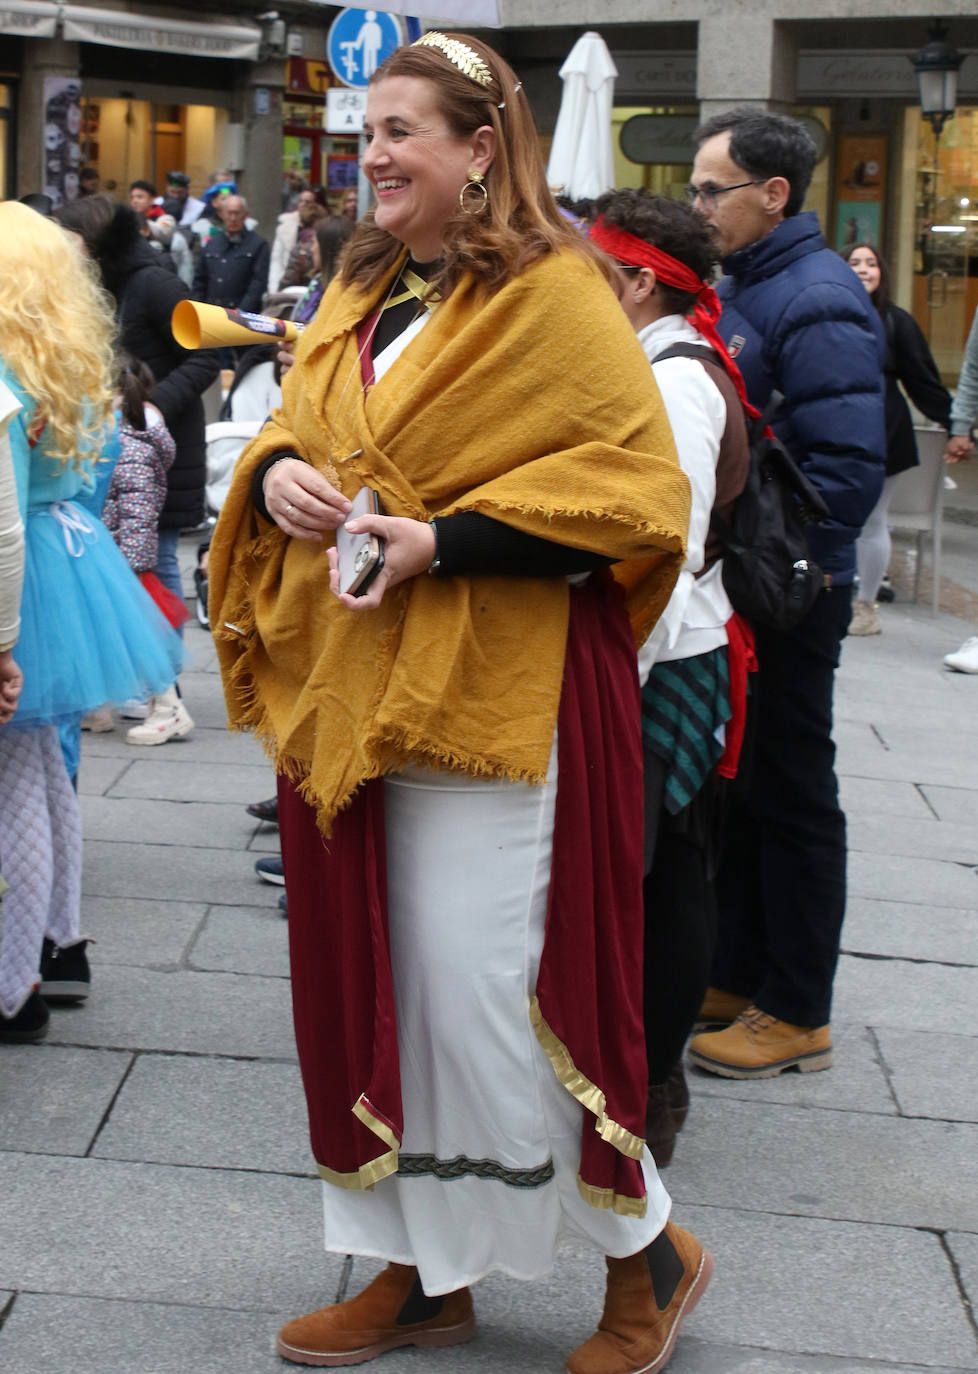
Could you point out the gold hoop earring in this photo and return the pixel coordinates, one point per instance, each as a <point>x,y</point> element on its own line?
<point>474,183</point>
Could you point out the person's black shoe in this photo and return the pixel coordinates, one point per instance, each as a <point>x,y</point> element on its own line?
<point>283,905</point>
<point>29,1024</point>
<point>65,975</point>
<point>265,810</point>
<point>200,599</point>
<point>270,870</point>
<point>886,592</point>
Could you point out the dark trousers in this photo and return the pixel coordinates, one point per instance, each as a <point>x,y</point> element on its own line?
<point>680,915</point>
<point>781,886</point>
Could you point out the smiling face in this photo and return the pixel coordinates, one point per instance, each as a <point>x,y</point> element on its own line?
<point>415,162</point>
<point>866,267</point>
<point>140,200</point>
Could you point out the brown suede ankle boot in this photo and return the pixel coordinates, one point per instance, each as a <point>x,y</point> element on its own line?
<point>391,1311</point>
<point>647,1298</point>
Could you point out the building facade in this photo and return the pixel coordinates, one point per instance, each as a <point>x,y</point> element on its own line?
<point>136,89</point>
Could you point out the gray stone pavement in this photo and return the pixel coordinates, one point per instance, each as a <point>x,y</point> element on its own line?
<point>158,1210</point>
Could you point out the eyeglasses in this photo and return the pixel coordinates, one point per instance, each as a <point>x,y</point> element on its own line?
<point>708,194</point>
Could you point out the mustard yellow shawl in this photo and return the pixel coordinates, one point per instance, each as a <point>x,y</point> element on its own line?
<point>536,406</point>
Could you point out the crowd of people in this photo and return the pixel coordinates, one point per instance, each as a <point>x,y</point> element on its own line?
<point>578,807</point>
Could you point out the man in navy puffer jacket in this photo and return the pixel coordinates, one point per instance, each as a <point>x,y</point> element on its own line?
<point>799,322</point>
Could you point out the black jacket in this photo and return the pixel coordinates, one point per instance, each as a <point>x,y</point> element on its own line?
<point>146,293</point>
<point>909,360</point>
<point>233,274</point>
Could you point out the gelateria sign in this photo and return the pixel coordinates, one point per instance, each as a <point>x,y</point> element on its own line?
<point>119,29</point>
<point>648,77</point>
<point>29,18</point>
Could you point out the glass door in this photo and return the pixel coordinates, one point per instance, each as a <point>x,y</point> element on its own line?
<point>946,235</point>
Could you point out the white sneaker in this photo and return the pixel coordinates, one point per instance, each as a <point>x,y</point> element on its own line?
<point>134,709</point>
<point>98,721</point>
<point>965,659</point>
<point>168,719</point>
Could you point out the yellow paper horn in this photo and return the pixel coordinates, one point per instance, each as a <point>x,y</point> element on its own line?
<point>196,325</point>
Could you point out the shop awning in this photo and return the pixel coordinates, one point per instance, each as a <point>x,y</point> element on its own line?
<point>30,18</point>
<point>121,29</point>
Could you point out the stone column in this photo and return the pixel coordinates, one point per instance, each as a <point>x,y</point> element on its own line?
<point>42,57</point>
<point>260,181</point>
<point>745,59</point>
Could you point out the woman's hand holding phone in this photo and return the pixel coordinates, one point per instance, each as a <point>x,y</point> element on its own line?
<point>409,548</point>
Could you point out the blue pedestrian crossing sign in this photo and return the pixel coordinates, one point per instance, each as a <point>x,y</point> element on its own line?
<point>359,40</point>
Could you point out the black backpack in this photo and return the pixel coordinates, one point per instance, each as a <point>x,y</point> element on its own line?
<point>768,571</point>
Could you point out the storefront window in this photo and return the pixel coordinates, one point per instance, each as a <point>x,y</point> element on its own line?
<point>945,258</point>
<point>6,190</point>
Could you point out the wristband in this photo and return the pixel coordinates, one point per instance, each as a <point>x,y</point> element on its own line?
<point>434,567</point>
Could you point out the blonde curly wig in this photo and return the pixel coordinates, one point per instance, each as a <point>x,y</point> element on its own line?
<point>57,327</point>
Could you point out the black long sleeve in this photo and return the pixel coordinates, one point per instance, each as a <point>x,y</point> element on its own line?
<point>470,542</point>
<point>914,365</point>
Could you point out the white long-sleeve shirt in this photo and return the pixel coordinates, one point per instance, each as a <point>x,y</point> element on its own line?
<point>11,530</point>
<point>694,620</point>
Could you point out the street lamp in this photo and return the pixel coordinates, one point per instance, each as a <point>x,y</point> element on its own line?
<point>936,68</point>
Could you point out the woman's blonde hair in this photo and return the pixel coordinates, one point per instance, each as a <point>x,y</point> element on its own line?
<point>521,221</point>
<point>56,332</point>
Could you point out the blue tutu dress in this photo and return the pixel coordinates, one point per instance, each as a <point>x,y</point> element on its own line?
<point>90,635</point>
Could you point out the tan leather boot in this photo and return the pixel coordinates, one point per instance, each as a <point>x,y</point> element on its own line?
<point>391,1311</point>
<point>720,1008</point>
<point>760,1046</point>
<point>642,1314</point>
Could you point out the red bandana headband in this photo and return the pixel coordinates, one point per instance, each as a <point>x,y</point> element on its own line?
<point>632,251</point>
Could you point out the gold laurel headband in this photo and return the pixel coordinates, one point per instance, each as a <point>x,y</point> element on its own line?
<point>460,54</point>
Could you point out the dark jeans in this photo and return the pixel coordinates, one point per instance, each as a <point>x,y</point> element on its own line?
<point>680,915</point>
<point>781,887</point>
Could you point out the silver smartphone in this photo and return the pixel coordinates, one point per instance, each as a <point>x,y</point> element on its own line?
<point>361,556</point>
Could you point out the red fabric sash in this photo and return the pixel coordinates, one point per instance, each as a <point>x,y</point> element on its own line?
<point>742,660</point>
<point>590,983</point>
<point>637,252</point>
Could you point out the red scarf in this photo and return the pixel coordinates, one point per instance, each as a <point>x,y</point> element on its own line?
<point>632,251</point>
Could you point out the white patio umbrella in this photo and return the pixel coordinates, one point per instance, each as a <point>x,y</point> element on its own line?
<point>581,159</point>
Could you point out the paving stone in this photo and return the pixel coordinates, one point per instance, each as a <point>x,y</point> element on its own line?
<point>813,1162</point>
<point>132,930</point>
<point>807,1286</point>
<point>243,940</point>
<point>204,1237</point>
<point>903,930</point>
<point>166,822</point>
<point>185,780</point>
<point>61,1095</point>
<point>927,881</point>
<point>924,837</point>
<point>932,1075</point>
<point>856,1083</point>
<point>698,1357</point>
<point>895,992</point>
<point>119,869</point>
<point>266,841</point>
<point>97,775</point>
<point>194,1013</point>
<point>954,803</point>
<point>48,1334</point>
<point>964,1248</point>
<point>870,797</point>
<point>205,745</point>
<point>246,1115</point>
